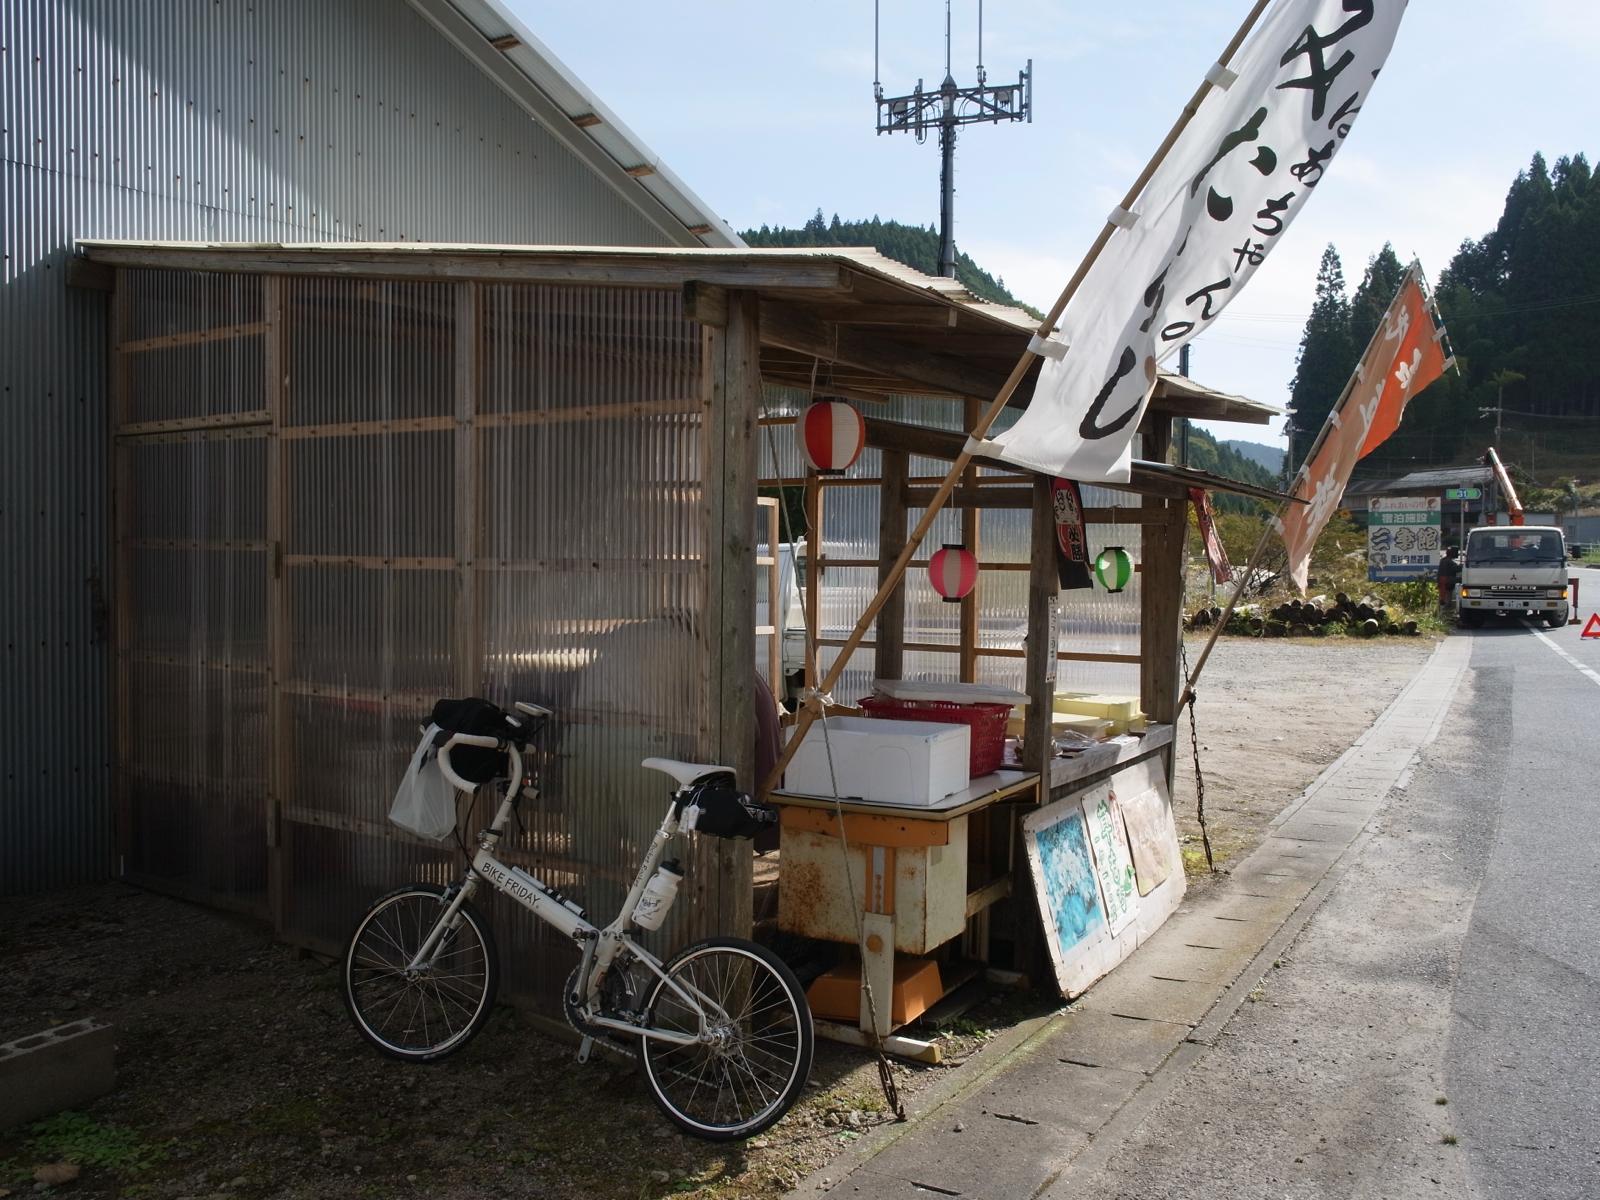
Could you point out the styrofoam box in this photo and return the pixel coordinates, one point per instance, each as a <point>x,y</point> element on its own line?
<point>889,762</point>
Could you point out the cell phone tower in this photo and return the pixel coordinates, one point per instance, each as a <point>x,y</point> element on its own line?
<point>945,109</point>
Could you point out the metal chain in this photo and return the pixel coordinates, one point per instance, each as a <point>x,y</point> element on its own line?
<point>886,1080</point>
<point>1194,740</point>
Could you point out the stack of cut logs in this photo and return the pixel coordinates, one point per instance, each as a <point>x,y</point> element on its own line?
<point>1315,617</point>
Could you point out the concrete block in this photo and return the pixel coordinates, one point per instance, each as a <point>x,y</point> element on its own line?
<point>61,1068</point>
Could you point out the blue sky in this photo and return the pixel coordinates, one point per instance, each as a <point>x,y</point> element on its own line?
<point>766,111</point>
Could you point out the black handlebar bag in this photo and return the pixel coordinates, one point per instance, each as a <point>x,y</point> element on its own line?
<point>482,718</point>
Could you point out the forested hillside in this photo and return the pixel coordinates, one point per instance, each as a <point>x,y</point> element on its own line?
<point>1205,453</point>
<point>909,244</point>
<point>1519,304</point>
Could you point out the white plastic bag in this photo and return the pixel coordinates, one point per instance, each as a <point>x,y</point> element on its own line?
<point>425,804</point>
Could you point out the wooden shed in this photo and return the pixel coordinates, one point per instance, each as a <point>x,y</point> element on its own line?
<point>352,478</point>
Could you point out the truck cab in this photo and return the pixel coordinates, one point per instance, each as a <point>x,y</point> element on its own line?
<point>1513,570</point>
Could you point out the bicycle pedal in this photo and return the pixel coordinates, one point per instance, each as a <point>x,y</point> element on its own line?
<point>584,1047</point>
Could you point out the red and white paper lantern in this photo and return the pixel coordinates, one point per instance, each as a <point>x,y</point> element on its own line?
<point>831,434</point>
<point>954,572</point>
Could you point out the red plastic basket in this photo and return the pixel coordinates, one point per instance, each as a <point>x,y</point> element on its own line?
<point>987,722</point>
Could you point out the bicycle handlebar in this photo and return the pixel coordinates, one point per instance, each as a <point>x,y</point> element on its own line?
<point>463,739</point>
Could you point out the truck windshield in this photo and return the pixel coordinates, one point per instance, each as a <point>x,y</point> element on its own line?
<point>1513,547</point>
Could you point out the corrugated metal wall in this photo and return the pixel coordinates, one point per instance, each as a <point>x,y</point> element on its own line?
<point>220,120</point>
<point>493,489</point>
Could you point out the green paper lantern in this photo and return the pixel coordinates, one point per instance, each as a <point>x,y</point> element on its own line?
<point>1113,568</point>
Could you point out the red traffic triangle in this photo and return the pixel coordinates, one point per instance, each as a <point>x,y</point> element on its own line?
<point>1592,629</point>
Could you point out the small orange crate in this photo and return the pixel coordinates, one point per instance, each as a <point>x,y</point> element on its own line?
<point>987,722</point>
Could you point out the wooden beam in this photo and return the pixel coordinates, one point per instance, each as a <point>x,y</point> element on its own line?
<point>644,268</point>
<point>889,652</point>
<point>1161,593</point>
<point>506,41</point>
<point>705,303</point>
<point>795,329</point>
<point>924,316</point>
<point>587,120</point>
<point>90,276</point>
<point>639,170</point>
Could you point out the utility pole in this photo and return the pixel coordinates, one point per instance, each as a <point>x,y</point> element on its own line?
<point>945,109</point>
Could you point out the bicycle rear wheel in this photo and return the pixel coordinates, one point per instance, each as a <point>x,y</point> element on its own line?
<point>423,1014</point>
<point>759,1057</point>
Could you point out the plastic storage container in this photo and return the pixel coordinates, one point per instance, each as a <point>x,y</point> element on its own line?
<point>889,762</point>
<point>987,722</point>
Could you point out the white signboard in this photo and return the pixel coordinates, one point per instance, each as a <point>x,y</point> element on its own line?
<point>1404,535</point>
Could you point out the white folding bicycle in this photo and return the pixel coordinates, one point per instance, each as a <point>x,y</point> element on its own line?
<point>722,1028</point>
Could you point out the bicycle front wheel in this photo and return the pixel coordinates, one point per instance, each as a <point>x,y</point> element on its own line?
<point>424,1012</point>
<point>755,1054</point>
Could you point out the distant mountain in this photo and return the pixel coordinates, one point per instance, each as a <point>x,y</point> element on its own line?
<point>1220,458</point>
<point>909,244</point>
<point>1270,457</point>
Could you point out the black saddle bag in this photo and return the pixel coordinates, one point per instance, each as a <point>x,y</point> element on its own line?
<point>726,812</point>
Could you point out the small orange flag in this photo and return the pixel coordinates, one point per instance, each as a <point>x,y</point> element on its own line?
<point>1418,359</point>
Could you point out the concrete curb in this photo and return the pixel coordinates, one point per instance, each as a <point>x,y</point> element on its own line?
<point>1167,986</point>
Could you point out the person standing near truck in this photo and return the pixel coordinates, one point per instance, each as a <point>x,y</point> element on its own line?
<point>1449,576</point>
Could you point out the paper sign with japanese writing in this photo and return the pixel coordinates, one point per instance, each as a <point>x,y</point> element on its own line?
<point>1214,208</point>
<point>1403,538</point>
<point>1113,865</point>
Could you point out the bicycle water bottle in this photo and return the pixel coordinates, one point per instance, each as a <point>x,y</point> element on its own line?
<point>658,895</point>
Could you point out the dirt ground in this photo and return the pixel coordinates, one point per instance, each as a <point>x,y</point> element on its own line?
<point>240,1076</point>
<point>1270,714</point>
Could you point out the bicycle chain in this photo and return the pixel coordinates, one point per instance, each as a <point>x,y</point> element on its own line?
<point>575,1019</point>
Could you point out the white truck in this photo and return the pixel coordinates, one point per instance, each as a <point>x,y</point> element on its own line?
<point>1513,570</point>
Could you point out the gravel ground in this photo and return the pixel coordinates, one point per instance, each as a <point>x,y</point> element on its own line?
<point>1271,714</point>
<point>239,1074</point>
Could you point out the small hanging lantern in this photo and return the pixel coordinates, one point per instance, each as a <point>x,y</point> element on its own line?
<point>1113,568</point>
<point>831,434</point>
<point>954,573</point>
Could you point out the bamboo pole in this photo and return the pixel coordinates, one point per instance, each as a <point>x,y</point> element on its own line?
<point>1300,476</point>
<point>808,714</point>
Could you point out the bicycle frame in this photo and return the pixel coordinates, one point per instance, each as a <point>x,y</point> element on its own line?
<point>600,946</point>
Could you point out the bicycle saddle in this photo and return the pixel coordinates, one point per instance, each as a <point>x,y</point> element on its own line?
<point>685,773</point>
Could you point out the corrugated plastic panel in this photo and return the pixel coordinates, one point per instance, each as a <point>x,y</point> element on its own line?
<point>195,663</point>
<point>187,119</point>
<point>592,578</point>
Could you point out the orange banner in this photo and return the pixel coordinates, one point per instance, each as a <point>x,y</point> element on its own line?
<point>1418,359</point>
<point>1404,356</point>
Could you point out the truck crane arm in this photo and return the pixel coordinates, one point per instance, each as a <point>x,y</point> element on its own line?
<point>1513,504</point>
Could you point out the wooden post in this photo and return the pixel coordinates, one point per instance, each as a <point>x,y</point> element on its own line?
<point>889,657</point>
<point>1044,617</point>
<point>970,517</point>
<point>469,493</point>
<point>278,644</point>
<point>813,596</point>
<point>733,364</point>
<point>1161,590</point>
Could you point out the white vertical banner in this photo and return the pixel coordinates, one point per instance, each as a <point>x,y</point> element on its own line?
<point>1258,146</point>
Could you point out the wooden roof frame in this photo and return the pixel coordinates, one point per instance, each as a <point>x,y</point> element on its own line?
<point>876,327</point>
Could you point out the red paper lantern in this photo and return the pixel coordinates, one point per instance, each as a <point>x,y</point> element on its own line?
<point>954,572</point>
<point>831,434</point>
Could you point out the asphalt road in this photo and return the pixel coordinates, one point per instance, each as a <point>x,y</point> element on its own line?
<point>1435,1029</point>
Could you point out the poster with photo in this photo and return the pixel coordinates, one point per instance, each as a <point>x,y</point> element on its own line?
<point>1113,864</point>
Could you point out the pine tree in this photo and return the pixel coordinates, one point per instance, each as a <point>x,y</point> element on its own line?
<point>1324,361</point>
<point>1372,299</point>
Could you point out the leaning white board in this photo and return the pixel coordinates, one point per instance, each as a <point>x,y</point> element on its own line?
<point>1101,897</point>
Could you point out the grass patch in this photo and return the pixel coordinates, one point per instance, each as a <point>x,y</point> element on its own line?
<point>75,1138</point>
<point>1448,1139</point>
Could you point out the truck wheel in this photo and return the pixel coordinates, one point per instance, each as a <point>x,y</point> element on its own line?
<point>1554,620</point>
<point>1469,620</point>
